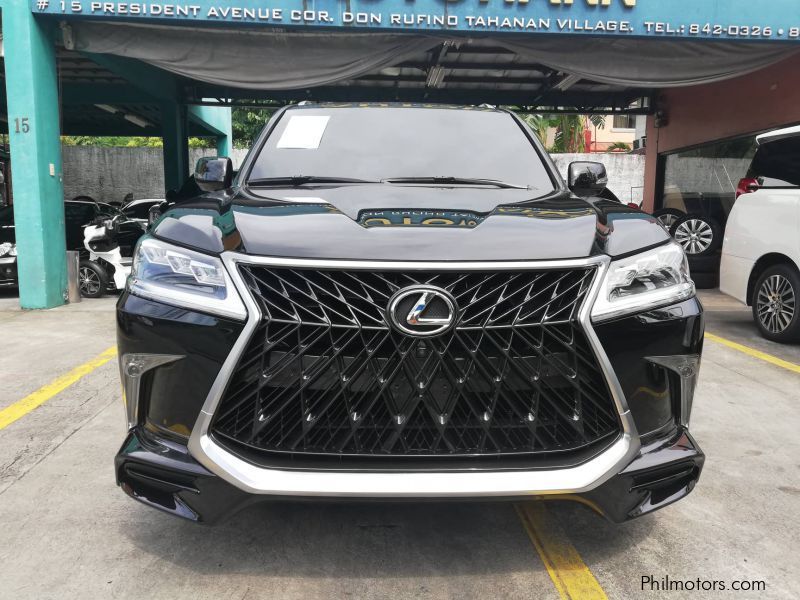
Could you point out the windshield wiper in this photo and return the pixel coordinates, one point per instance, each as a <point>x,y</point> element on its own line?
<point>456,181</point>
<point>297,180</point>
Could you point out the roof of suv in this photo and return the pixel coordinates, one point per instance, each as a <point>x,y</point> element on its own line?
<point>778,134</point>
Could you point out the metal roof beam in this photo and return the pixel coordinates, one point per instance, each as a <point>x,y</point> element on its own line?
<point>156,82</point>
<point>474,66</point>
<point>452,79</point>
<point>92,93</point>
<point>104,128</point>
<point>572,102</point>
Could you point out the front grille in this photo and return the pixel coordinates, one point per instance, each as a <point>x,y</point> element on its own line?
<point>324,374</point>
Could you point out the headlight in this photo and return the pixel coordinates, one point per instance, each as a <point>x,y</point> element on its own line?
<point>184,278</point>
<point>5,248</point>
<point>654,278</point>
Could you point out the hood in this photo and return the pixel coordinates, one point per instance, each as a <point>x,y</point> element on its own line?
<point>413,223</point>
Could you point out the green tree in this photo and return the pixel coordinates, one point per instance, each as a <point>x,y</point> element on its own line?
<point>129,141</point>
<point>248,123</point>
<point>569,128</point>
<point>539,124</point>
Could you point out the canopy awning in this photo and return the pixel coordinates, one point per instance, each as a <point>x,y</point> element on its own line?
<point>259,59</point>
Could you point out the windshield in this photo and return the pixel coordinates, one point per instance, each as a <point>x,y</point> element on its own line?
<point>395,143</point>
<point>107,210</point>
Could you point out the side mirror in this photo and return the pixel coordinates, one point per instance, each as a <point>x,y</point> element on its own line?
<point>587,178</point>
<point>155,212</point>
<point>213,174</point>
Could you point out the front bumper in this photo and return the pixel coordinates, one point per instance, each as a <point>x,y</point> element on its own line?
<point>652,463</point>
<point>162,473</point>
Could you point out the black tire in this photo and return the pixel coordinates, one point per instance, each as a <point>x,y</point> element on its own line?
<point>92,278</point>
<point>775,304</point>
<point>705,281</point>
<point>704,264</point>
<point>668,216</point>
<point>699,235</point>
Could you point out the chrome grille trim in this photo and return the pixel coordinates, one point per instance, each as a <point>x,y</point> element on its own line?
<point>326,374</point>
<point>259,480</point>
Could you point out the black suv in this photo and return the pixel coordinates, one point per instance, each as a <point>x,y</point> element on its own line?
<point>400,301</point>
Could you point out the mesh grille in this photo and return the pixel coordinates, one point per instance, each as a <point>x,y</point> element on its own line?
<point>325,374</point>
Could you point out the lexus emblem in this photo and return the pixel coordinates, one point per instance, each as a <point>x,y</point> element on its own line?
<point>422,310</point>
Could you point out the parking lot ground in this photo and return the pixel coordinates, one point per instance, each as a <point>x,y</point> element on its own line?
<point>66,531</point>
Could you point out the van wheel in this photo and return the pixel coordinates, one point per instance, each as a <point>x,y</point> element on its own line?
<point>699,235</point>
<point>775,307</point>
<point>92,278</point>
<point>668,216</point>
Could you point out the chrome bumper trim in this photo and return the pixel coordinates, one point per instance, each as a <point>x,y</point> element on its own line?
<point>260,480</point>
<point>134,366</point>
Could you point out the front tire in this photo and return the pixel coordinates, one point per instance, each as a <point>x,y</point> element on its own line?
<point>775,308</point>
<point>92,279</point>
<point>668,216</point>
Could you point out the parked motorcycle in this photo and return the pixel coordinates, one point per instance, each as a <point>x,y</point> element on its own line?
<point>105,268</point>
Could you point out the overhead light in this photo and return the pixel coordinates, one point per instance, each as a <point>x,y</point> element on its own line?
<point>107,108</point>
<point>136,120</point>
<point>435,77</point>
<point>390,71</point>
<point>567,82</point>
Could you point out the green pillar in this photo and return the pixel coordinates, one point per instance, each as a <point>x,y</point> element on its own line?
<point>225,142</point>
<point>217,121</point>
<point>33,125</point>
<point>176,145</point>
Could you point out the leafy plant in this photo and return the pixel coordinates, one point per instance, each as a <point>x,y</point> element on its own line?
<point>247,124</point>
<point>570,136</point>
<point>569,129</point>
<point>539,124</point>
<point>619,146</point>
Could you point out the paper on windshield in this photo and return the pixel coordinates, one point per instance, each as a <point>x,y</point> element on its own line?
<point>303,133</point>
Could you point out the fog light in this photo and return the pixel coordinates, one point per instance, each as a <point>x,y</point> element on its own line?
<point>133,367</point>
<point>687,368</point>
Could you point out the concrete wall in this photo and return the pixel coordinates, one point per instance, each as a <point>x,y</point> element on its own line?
<point>625,172</point>
<point>107,174</point>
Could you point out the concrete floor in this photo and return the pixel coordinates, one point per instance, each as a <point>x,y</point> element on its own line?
<point>66,531</point>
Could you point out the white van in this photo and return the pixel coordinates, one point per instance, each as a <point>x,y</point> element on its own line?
<point>761,250</point>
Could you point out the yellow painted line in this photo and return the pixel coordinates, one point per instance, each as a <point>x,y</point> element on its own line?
<point>20,408</point>
<point>572,578</point>
<point>774,360</point>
